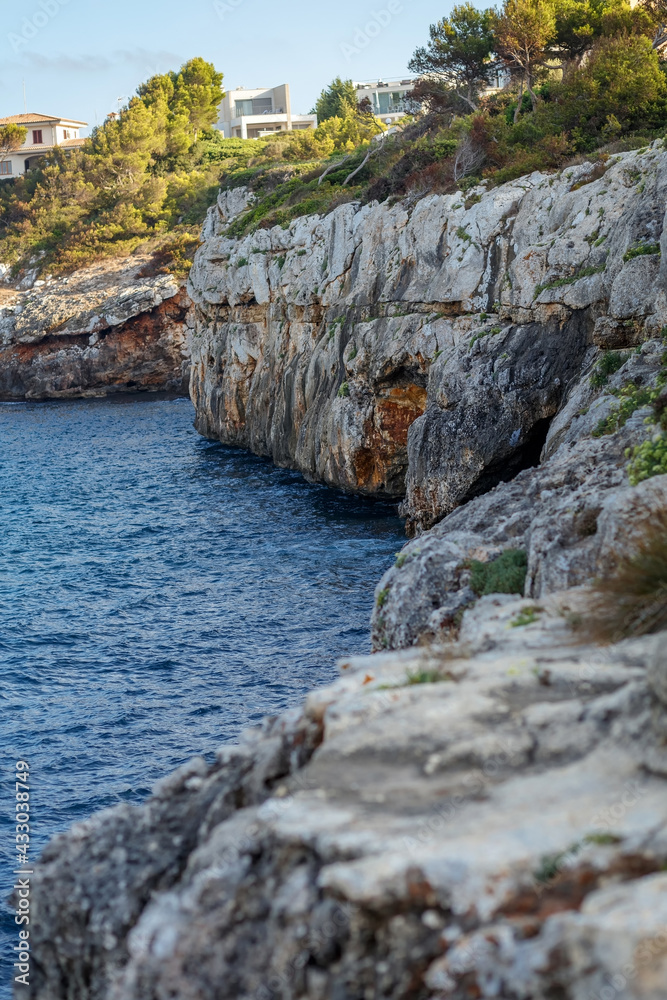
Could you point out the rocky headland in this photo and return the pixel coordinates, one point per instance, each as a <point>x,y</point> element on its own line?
<point>422,349</point>
<point>116,326</point>
<point>478,810</point>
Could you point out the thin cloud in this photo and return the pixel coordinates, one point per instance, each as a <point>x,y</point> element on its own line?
<point>139,59</point>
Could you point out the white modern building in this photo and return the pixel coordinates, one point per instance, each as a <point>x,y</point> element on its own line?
<point>387,99</point>
<point>45,132</point>
<point>255,114</point>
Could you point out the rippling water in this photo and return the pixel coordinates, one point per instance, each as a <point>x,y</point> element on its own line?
<point>158,592</point>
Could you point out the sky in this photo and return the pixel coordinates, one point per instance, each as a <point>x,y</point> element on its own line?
<point>79,57</point>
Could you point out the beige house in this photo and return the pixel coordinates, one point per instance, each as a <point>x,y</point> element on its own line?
<point>44,133</point>
<point>254,114</point>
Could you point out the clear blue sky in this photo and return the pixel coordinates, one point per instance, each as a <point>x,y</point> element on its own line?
<point>78,56</point>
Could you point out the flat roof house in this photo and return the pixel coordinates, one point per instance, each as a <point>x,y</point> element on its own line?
<point>388,99</point>
<point>45,132</point>
<point>256,113</point>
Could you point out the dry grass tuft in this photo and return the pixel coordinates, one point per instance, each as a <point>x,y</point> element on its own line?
<point>633,601</point>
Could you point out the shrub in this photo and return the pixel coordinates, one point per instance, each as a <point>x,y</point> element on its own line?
<point>641,250</point>
<point>382,597</point>
<point>623,74</point>
<point>648,459</point>
<point>632,398</point>
<point>527,616</point>
<point>609,364</point>
<point>173,256</point>
<point>633,600</point>
<point>551,865</point>
<point>585,272</point>
<point>426,677</point>
<point>504,575</point>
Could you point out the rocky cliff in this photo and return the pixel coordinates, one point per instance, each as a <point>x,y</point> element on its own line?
<point>111,327</point>
<point>482,820</point>
<point>447,351</point>
<point>477,811</point>
<point>423,348</point>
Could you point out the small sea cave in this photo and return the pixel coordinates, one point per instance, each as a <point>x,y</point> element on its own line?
<point>502,470</point>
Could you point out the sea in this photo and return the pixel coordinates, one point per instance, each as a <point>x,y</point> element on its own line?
<point>159,593</point>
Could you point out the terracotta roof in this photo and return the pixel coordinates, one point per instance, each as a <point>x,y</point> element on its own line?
<point>38,149</point>
<point>32,119</point>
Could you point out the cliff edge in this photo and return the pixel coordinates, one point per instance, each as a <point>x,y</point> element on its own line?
<point>115,326</point>
<point>480,820</point>
<point>422,349</point>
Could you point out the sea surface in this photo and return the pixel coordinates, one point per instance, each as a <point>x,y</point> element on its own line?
<point>158,593</point>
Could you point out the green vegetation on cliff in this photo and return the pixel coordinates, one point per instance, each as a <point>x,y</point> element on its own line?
<point>147,177</point>
<point>581,78</point>
<point>148,174</point>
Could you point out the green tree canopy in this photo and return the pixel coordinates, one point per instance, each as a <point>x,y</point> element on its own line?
<point>524,31</point>
<point>189,97</point>
<point>459,52</point>
<point>338,100</point>
<point>134,178</point>
<point>12,137</point>
<point>198,92</point>
<point>623,75</point>
<point>580,22</point>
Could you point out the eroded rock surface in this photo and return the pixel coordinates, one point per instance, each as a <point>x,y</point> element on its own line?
<point>497,833</point>
<point>575,515</point>
<point>424,348</point>
<point>111,327</point>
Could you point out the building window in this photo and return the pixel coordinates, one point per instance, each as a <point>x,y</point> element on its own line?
<point>257,106</point>
<point>67,133</point>
<point>388,103</point>
<point>6,167</point>
<point>37,136</point>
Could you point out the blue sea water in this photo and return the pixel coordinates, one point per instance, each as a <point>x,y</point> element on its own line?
<point>158,593</point>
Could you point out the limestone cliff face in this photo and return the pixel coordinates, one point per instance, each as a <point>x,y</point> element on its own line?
<point>422,350</point>
<point>287,362</point>
<point>107,328</point>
